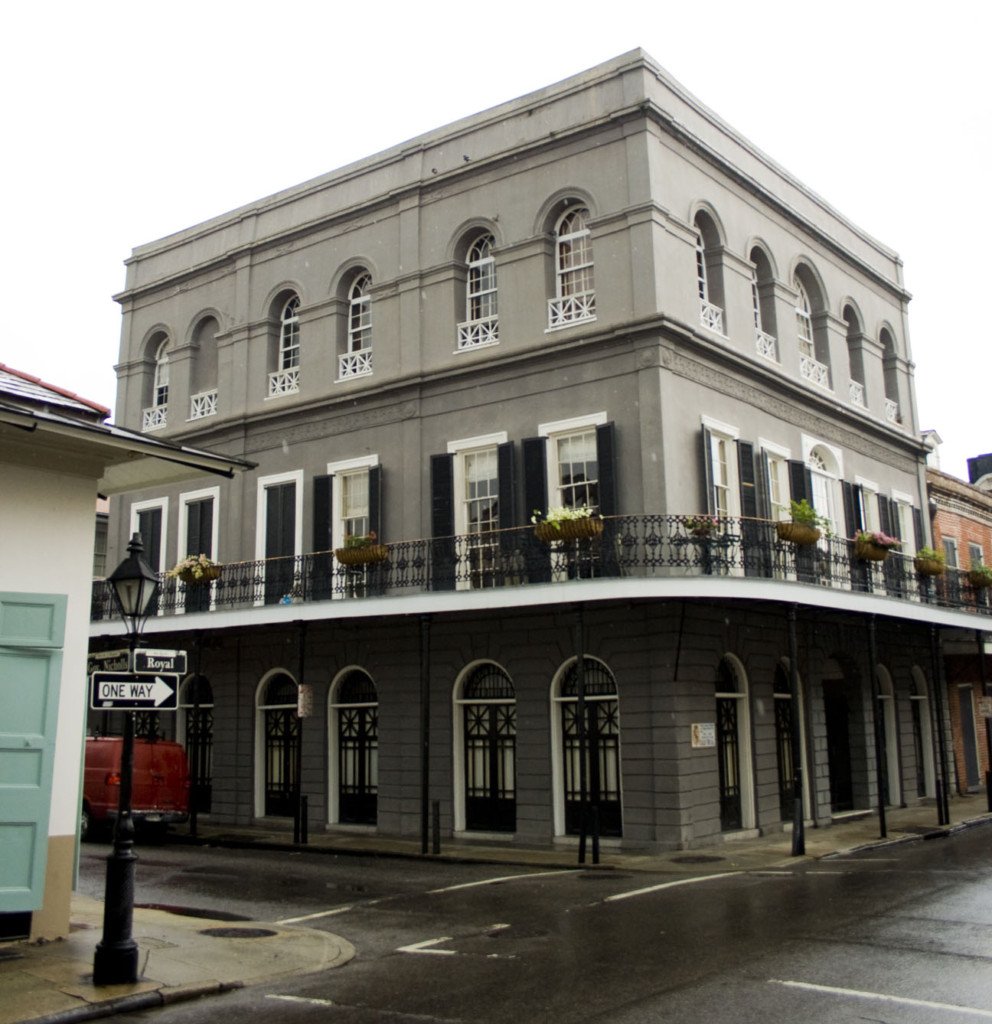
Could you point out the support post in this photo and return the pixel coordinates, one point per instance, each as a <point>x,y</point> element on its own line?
<point>876,709</point>
<point>425,729</point>
<point>943,807</point>
<point>194,742</point>
<point>980,638</point>
<point>299,813</point>
<point>798,824</point>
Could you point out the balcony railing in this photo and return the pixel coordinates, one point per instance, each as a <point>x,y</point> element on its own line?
<point>815,372</point>
<point>284,382</point>
<point>857,393</point>
<point>203,404</point>
<point>711,316</point>
<point>630,547</point>
<point>478,333</point>
<point>355,364</point>
<point>154,418</point>
<point>571,309</point>
<point>892,411</point>
<point>764,345</point>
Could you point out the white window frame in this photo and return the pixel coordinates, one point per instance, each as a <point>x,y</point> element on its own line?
<point>360,313</point>
<point>460,449</point>
<point>869,509</point>
<point>830,482</point>
<point>337,470</point>
<point>187,498</point>
<point>903,505</point>
<point>551,432</point>
<point>569,306</point>
<point>951,552</point>
<point>723,435</point>
<point>975,553</point>
<point>777,456</point>
<point>289,335</point>
<point>478,331</point>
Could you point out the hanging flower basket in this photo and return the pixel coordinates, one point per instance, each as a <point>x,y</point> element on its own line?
<point>568,529</point>
<point>208,574</point>
<point>800,534</point>
<point>368,555</point>
<point>980,579</point>
<point>929,567</point>
<point>869,552</point>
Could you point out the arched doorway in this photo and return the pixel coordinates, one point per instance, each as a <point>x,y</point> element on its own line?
<point>277,740</point>
<point>923,739</point>
<point>602,749</point>
<point>355,737</point>
<point>486,734</point>
<point>733,745</point>
<point>195,723</point>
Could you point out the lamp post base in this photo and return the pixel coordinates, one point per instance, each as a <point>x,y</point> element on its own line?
<point>116,964</point>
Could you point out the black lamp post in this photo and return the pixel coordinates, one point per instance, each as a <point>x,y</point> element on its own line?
<point>115,961</point>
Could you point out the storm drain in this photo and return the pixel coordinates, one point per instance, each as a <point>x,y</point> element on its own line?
<point>700,858</point>
<point>238,933</point>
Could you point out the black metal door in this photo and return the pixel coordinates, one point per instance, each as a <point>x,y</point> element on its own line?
<point>358,747</point>
<point>490,775</point>
<point>918,749</point>
<point>602,743</point>
<point>729,760</point>
<point>838,747</point>
<point>783,748</point>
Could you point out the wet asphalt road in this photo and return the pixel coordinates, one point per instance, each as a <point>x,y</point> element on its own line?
<point>901,935</point>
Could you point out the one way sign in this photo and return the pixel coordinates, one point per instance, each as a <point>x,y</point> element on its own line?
<point>125,691</point>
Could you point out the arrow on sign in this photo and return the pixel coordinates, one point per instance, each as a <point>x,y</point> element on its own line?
<point>128,691</point>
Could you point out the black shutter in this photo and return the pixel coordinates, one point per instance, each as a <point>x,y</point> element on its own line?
<point>199,541</point>
<point>746,476</point>
<point>708,504</point>
<point>321,573</point>
<point>921,539</point>
<point>322,489</point>
<point>280,540</point>
<point>609,505</point>
<point>852,507</point>
<point>442,522</point>
<point>537,556</point>
<point>505,458</point>
<point>763,485</point>
<point>607,457</point>
<point>885,517</point>
<point>800,484</point>
<point>375,500</point>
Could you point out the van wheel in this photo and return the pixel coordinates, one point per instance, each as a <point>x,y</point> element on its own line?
<point>84,824</point>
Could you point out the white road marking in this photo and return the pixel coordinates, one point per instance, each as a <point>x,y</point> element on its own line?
<point>667,885</point>
<point>301,999</point>
<point>422,947</point>
<point>502,878</point>
<point>313,917</point>
<point>882,998</point>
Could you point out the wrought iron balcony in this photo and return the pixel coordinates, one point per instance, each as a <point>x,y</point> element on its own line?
<point>629,547</point>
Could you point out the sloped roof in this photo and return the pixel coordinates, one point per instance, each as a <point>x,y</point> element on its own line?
<point>15,385</point>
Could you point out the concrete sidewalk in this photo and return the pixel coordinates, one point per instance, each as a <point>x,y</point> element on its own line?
<point>188,957</point>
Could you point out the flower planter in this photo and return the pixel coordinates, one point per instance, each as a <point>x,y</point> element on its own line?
<point>208,574</point>
<point>869,552</point>
<point>368,555</point>
<point>569,529</point>
<point>929,567</point>
<point>979,580</point>
<point>800,534</point>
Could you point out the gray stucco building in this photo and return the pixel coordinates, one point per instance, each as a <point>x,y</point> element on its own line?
<point>598,295</point>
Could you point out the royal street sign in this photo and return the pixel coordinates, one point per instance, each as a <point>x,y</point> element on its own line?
<point>128,691</point>
<point>148,660</point>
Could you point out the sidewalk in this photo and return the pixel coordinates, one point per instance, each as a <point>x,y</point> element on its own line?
<point>188,957</point>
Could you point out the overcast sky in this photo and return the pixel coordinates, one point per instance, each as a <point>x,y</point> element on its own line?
<point>126,121</point>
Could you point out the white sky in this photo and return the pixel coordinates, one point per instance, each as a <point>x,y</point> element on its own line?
<point>126,121</point>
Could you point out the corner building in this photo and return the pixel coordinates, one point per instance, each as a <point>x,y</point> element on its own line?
<point>595,295</point>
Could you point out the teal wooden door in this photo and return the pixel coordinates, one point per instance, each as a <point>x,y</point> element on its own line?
<point>31,633</point>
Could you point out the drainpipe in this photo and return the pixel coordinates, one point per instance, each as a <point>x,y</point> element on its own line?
<point>876,716</point>
<point>979,637</point>
<point>798,825</point>
<point>425,727</point>
<point>943,810</point>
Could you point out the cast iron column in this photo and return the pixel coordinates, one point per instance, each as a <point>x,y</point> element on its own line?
<point>943,808</point>
<point>988,721</point>
<point>880,772</point>
<point>798,824</point>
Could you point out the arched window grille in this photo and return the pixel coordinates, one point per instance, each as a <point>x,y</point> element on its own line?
<point>488,703</point>
<point>281,745</point>
<point>356,706</point>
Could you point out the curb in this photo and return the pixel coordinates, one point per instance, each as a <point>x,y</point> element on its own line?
<point>138,1001</point>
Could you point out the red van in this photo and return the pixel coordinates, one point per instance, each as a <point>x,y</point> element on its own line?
<point>160,786</point>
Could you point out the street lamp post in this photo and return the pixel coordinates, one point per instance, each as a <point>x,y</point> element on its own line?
<point>115,961</point>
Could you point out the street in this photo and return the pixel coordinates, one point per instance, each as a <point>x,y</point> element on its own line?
<point>899,934</point>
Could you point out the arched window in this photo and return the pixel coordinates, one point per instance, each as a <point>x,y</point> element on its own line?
<point>488,712</point>
<point>825,479</point>
<point>598,735</point>
<point>356,360</point>
<point>763,304</point>
<point>855,342</point>
<point>355,736</point>
<point>709,273</point>
<point>890,374</point>
<point>783,744</point>
<point>481,326</point>
<point>575,295</point>
<point>813,353</point>
<point>285,379</point>
<point>155,417</point>
<point>196,733</point>
<point>203,379</point>
<point>733,747</point>
<point>278,745</point>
